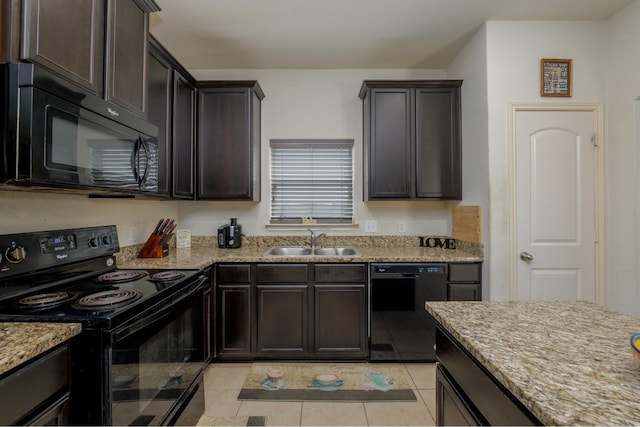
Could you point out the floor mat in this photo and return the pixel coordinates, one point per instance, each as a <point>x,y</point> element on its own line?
<point>327,381</point>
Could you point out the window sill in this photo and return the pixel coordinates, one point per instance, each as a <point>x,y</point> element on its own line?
<point>304,227</point>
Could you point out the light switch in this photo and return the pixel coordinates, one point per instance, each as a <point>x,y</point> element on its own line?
<point>370,226</point>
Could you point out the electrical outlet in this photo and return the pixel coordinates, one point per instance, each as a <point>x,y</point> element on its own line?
<point>370,226</point>
<point>402,227</point>
<point>133,234</point>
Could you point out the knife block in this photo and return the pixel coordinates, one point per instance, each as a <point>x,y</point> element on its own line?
<point>154,248</point>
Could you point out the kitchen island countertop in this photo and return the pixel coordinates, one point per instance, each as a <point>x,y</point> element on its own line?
<point>569,363</point>
<point>22,341</point>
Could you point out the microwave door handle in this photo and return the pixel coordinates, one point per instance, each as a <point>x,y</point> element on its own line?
<point>145,147</point>
<point>134,161</point>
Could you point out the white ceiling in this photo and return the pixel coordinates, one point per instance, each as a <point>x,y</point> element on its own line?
<point>210,34</point>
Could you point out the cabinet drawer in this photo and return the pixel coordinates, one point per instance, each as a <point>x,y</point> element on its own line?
<point>240,273</point>
<point>340,273</point>
<point>465,272</point>
<point>463,292</point>
<point>282,273</point>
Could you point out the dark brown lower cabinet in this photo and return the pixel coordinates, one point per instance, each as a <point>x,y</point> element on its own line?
<point>282,327</point>
<point>451,409</point>
<point>234,308</point>
<point>291,311</point>
<point>283,320</point>
<point>234,305</point>
<point>340,320</point>
<point>38,392</point>
<point>464,282</point>
<point>340,311</point>
<point>467,393</point>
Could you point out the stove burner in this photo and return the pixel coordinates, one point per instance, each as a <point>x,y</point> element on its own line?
<point>166,276</point>
<point>106,300</point>
<point>121,276</point>
<point>42,301</point>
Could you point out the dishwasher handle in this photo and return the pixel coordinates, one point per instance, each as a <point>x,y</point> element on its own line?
<point>409,276</point>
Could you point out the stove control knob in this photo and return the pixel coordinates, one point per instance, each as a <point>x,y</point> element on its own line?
<point>94,242</point>
<point>16,254</point>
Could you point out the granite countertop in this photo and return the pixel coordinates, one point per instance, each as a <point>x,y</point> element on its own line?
<point>380,249</point>
<point>569,363</point>
<point>21,341</point>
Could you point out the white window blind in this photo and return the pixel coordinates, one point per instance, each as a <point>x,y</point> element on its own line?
<point>311,178</point>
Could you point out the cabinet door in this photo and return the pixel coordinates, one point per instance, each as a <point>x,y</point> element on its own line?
<point>67,37</point>
<point>233,320</point>
<point>228,144</point>
<point>390,166</point>
<point>437,131</point>
<point>160,86</point>
<point>184,107</point>
<point>451,410</point>
<point>127,38</point>
<point>283,320</point>
<point>210,317</point>
<point>340,320</point>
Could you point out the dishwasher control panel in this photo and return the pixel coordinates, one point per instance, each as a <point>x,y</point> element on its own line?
<point>419,269</point>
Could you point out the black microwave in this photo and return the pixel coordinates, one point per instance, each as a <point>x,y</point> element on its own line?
<point>55,135</point>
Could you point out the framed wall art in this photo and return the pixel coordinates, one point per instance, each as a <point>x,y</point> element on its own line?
<point>556,77</point>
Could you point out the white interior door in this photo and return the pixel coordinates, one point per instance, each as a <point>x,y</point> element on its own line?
<point>555,204</point>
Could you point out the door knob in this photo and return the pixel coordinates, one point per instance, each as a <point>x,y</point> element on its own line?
<point>526,256</point>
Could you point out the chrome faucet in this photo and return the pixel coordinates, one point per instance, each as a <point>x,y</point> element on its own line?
<point>314,238</point>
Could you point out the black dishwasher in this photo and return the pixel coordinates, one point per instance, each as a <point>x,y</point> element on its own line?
<point>400,328</point>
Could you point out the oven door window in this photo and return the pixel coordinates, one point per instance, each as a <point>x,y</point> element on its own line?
<point>153,366</point>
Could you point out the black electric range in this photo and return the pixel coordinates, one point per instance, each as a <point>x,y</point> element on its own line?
<point>146,326</point>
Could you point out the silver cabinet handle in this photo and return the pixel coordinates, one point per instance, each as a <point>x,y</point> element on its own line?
<point>526,256</point>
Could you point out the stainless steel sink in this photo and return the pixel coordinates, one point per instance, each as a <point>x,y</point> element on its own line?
<point>336,251</point>
<point>289,251</point>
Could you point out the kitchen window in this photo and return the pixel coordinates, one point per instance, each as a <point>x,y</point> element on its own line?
<point>311,178</point>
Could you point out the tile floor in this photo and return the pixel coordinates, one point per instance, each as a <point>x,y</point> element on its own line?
<point>223,382</point>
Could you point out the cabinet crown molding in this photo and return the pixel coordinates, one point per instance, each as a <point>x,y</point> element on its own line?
<point>404,84</point>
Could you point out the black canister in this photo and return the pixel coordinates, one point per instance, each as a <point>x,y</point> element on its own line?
<point>234,239</point>
<point>223,235</point>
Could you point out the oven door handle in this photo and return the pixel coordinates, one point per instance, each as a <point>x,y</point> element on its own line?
<point>146,319</point>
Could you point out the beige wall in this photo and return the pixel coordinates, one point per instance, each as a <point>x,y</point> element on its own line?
<point>27,211</point>
<point>298,104</point>
<point>514,50</point>
<point>471,66</point>
<point>622,160</point>
<point>316,104</point>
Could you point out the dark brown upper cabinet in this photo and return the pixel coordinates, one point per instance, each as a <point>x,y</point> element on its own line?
<point>100,45</point>
<point>184,136</point>
<point>127,48</point>
<point>171,106</point>
<point>160,110</point>
<point>228,142</point>
<point>412,139</point>
<point>68,38</point>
